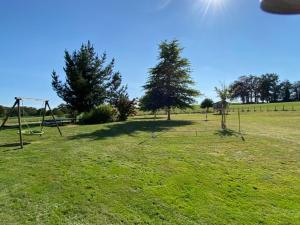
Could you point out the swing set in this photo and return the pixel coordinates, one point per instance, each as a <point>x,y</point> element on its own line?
<point>19,104</point>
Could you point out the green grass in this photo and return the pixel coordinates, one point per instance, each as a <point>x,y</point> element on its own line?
<point>189,173</point>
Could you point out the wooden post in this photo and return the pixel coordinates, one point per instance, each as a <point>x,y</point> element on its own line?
<point>19,121</point>
<point>44,114</point>
<point>47,104</point>
<point>239,115</point>
<point>169,113</point>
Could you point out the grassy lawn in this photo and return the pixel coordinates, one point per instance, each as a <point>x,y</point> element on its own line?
<point>186,172</point>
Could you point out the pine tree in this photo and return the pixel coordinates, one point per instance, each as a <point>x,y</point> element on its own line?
<point>169,82</point>
<point>88,79</point>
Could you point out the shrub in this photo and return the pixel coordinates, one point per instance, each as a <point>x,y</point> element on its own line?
<point>126,108</point>
<point>100,114</point>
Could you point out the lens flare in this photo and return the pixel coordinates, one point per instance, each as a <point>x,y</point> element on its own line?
<point>207,6</point>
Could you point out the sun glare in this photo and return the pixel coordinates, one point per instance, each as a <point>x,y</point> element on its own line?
<point>207,6</point>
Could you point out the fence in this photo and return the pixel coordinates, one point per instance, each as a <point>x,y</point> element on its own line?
<point>274,108</point>
<point>232,108</point>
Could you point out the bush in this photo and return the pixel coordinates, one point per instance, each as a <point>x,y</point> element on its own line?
<point>101,114</point>
<point>126,108</point>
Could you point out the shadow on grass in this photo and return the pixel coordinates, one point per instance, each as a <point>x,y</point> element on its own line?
<point>148,118</point>
<point>131,127</point>
<point>229,133</point>
<point>9,127</point>
<point>16,146</point>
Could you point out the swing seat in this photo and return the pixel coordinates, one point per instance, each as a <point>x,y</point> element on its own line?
<point>32,132</point>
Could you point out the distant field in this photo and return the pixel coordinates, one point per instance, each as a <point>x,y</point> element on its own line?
<point>287,106</point>
<point>147,171</point>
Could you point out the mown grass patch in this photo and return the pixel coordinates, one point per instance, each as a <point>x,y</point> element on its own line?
<point>147,171</point>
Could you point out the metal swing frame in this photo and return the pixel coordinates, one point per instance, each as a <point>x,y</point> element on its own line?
<point>22,132</point>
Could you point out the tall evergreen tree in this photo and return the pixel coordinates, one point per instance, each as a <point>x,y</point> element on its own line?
<point>169,82</point>
<point>88,79</point>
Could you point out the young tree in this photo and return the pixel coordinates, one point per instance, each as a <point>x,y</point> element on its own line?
<point>224,94</point>
<point>125,107</point>
<point>87,79</point>
<point>169,82</point>
<point>206,104</point>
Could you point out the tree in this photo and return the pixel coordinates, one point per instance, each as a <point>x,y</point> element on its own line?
<point>255,85</point>
<point>223,93</point>
<point>119,98</point>
<point>87,79</point>
<point>2,111</point>
<point>266,88</point>
<point>126,107</point>
<point>149,102</point>
<point>169,82</point>
<point>64,109</point>
<point>246,88</point>
<point>238,90</point>
<point>269,88</point>
<point>285,91</point>
<point>296,91</point>
<point>206,104</point>
<point>116,89</point>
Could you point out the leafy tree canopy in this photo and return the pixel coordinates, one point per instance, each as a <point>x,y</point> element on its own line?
<point>207,103</point>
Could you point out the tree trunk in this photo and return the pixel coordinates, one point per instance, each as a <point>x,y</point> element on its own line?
<point>223,122</point>
<point>169,113</point>
<point>74,116</point>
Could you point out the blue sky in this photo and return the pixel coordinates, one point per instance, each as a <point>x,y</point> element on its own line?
<point>222,43</point>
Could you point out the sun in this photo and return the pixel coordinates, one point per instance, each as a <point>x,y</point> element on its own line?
<point>210,5</point>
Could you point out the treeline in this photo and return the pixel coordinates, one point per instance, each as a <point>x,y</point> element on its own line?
<point>61,110</point>
<point>265,88</point>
